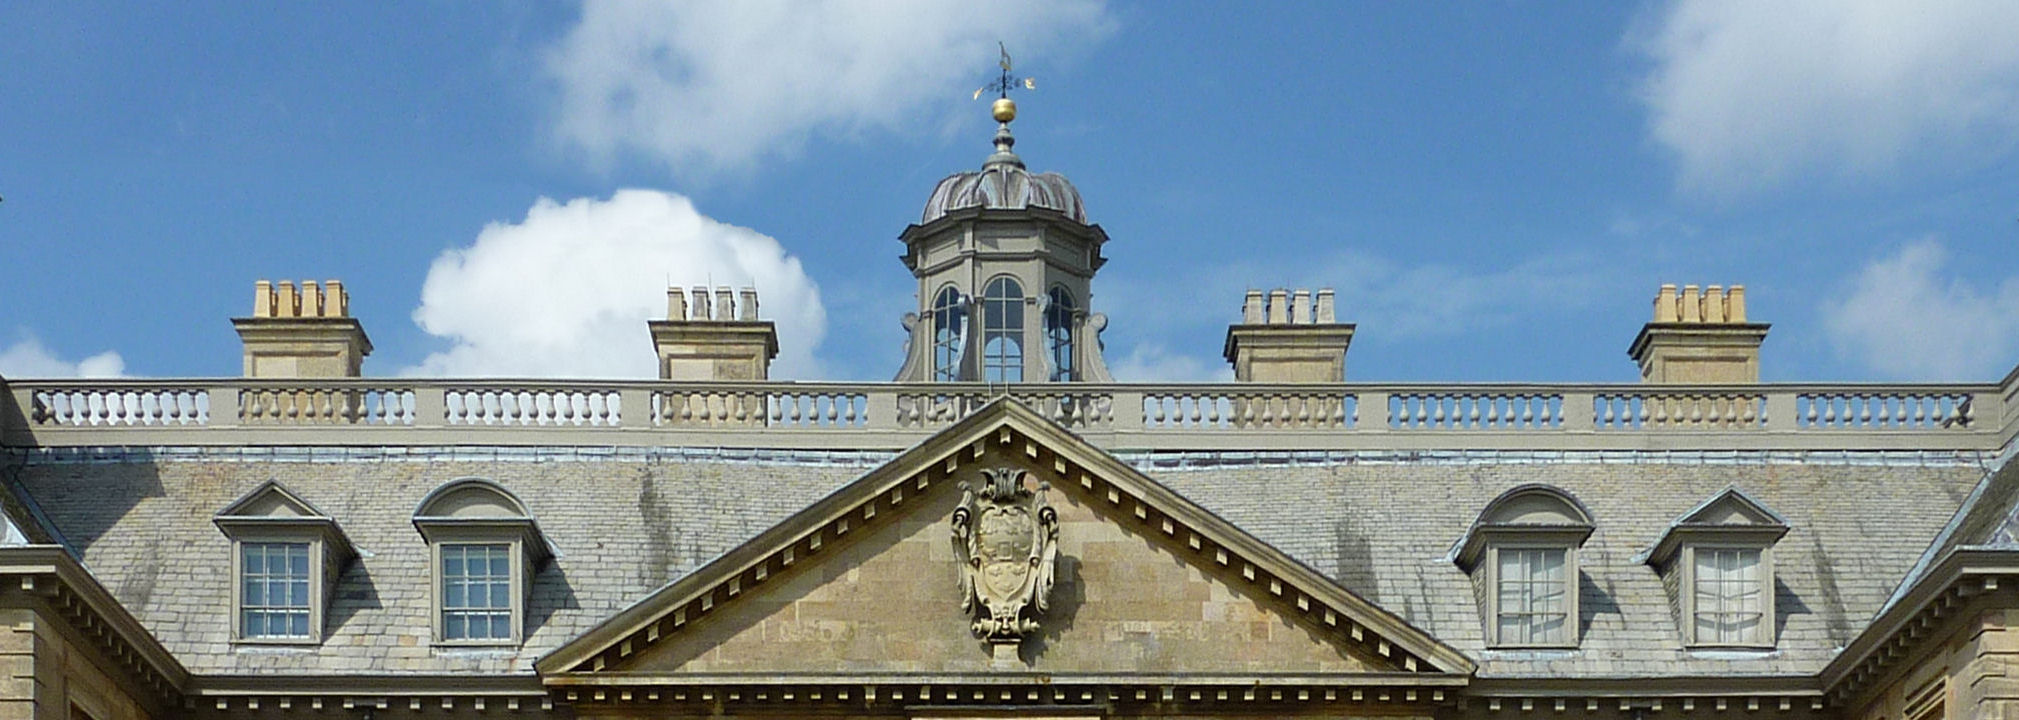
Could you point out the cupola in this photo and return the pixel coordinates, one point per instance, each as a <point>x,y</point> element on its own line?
<point>1005,260</point>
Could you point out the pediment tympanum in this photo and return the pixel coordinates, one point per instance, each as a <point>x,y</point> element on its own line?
<point>865,589</point>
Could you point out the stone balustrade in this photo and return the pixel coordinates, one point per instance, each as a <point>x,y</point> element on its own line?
<point>889,416</point>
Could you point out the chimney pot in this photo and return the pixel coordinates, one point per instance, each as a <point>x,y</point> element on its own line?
<point>311,299</point>
<point>749,309</point>
<point>676,304</point>
<point>1279,306</point>
<point>725,303</point>
<point>290,303</point>
<point>1251,308</point>
<point>262,299</point>
<point>336,301</point>
<point>1300,307</point>
<point>1326,314</point>
<point>700,309</point>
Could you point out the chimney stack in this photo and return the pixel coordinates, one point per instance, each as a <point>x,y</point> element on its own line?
<point>711,338</point>
<point>1699,336</point>
<point>1290,338</point>
<point>307,333</point>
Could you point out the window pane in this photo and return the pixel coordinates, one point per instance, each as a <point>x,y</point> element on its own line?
<point>1533,596</point>
<point>1729,595</point>
<point>274,592</point>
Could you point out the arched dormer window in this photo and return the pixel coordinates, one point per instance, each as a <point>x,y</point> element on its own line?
<point>1522,553</point>
<point>1059,334</point>
<point>485,548</point>
<point>1002,313</point>
<point>949,334</point>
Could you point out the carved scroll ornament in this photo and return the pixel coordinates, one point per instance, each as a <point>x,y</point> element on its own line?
<point>1006,536</point>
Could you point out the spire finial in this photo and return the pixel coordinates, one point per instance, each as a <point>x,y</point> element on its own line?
<point>1004,109</point>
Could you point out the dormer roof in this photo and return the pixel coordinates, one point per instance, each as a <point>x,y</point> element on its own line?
<point>1730,515</point>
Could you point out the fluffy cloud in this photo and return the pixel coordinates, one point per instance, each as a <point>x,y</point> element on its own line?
<point>566,292</point>
<point>720,85</point>
<point>1152,362</point>
<point>1747,94</point>
<point>28,358</point>
<point>1909,315</point>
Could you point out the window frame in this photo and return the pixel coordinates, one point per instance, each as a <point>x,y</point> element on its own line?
<point>1763,633</point>
<point>318,598</point>
<point>1013,332</point>
<point>1061,305</point>
<point>515,555</point>
<point>952,317</point>
<point>1571,586</point>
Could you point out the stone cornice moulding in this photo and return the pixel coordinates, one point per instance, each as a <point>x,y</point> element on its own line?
<point>1963,577</point>
<point>49,572</point>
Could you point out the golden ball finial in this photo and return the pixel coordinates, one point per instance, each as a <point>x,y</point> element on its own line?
<point>1004,110</point>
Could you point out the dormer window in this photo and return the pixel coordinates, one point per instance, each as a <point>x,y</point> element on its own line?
<point>1717,560</point>
<point>1522,553</point>
<point>485,548</point>
<point>286,558</point>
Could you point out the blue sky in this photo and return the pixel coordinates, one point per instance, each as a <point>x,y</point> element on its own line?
<point>1495,189</point>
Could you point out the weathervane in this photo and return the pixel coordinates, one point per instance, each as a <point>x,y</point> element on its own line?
<point>1005,110</point>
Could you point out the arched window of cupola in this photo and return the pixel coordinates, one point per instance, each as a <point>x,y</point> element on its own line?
<point>949,334</point>
<point>1059,334</point>
<point>1002,331</point>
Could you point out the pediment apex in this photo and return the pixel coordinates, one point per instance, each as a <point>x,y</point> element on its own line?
<point>271,499</point>
<point>271,507</point>
<point>1005,426</point>
<point>1730,515</point>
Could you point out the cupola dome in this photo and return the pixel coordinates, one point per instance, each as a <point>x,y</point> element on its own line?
<point>1004,184</point>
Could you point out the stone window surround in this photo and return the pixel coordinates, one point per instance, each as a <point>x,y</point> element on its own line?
<point>329,551</point>
<point>240,574</point>
<point>1526,517</point>
<point>515,545</point>
<point>1763,634</point>
<point>1489,569</point>
<point>488,514</point>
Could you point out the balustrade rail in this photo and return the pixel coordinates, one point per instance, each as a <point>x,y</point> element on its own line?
<point>1150,416</point>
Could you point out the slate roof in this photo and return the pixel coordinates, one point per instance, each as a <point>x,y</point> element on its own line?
<point>624,527</point>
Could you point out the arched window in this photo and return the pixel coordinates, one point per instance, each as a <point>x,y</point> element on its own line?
<point>949,333</point>
<point>1002,323</point>
<point>1525,544</point>
<point>1059,335</point>
<point>486,548</point>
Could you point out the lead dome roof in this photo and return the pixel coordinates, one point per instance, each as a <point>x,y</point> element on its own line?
<point>1004,184</point>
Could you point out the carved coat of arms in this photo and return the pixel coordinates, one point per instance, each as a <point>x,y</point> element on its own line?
<point>1006,536</point>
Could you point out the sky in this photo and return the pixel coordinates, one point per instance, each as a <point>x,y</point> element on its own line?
<point>1494,189</point>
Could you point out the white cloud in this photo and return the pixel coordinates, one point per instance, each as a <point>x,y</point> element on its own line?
<point>1909,315</point>
<point>1748,94</point>
<point>721,85</point>
<point>1152,362</point>
<point>567,291</point>
<point>28,358</point>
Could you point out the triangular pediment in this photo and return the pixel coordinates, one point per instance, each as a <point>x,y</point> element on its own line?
<point>864,582</point>
<point>1730,515</point>
<point>271,500</point>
